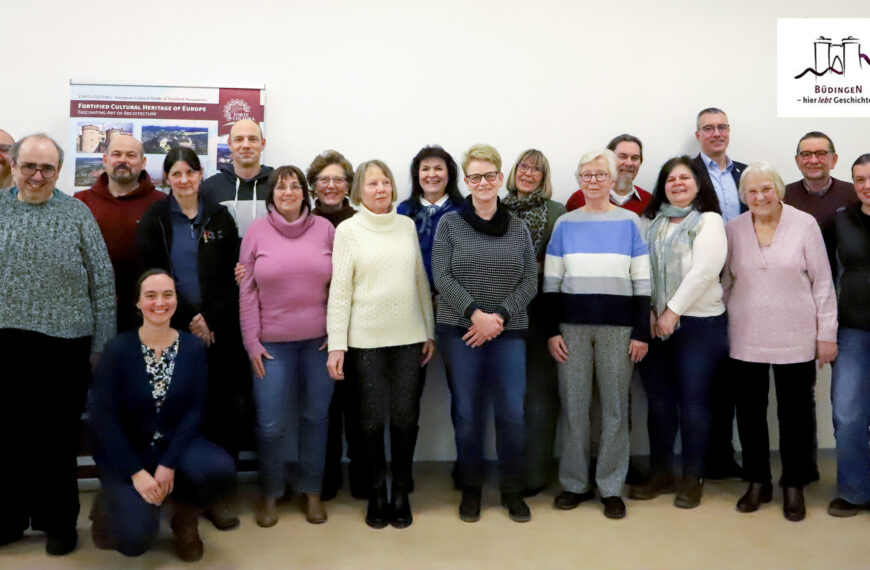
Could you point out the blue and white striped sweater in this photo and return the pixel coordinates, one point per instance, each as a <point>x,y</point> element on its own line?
<point>596,271</point>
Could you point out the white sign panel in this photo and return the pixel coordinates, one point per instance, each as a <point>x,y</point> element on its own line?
<point>823,67</point>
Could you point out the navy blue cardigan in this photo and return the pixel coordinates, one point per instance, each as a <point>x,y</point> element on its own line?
<point>122,413</point>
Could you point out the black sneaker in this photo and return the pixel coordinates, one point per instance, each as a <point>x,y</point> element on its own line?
<point>567,500</point>
<point>517,508</point>
<point>469,507</point>
<point>60,543</point>
<point>614,508</point>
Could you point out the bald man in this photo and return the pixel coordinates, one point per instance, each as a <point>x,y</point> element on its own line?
<point>242,187</point>
<point>119,198</point>
<point>6,142</point>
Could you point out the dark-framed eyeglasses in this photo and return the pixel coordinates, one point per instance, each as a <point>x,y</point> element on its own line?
<point>31,168</point>
<point>599,176</point>
<point>476,178</point>
<point>807,154</point>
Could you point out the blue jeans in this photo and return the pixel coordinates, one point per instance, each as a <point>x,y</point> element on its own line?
<point>204,473</point>
<point>495,370</point>
<point>850,399</point>
<point>677,375</point>
<point>292,403</point>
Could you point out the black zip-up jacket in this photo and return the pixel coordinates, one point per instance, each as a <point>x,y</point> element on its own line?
<point>217,255</point>
<point>852,229</point>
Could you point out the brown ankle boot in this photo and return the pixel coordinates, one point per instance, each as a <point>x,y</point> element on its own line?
<point>315,512</point>
<point>185,527</point>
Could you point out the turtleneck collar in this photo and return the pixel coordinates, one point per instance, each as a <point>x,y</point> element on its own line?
<point>290,229</point>
<point>378,222</point>
<point>497,226</point>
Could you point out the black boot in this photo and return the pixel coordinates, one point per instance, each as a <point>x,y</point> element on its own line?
<point>402,444</point>
<point>377,513</point>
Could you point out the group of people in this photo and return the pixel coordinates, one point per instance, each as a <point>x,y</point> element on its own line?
<point>317,300</point>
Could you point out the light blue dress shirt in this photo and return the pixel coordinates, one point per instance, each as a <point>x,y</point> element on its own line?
<point>725,187</point>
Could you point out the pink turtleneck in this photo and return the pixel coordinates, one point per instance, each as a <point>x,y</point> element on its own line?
<point>288,269</point>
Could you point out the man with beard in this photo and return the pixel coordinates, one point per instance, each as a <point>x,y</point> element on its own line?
<point>120,196</point>
<point>242,187</point>
<point>629,157</point>
<point>6,142</point>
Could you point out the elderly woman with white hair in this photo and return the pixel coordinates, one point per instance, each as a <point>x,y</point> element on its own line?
<point>596,277</point>
<point>782,313</point>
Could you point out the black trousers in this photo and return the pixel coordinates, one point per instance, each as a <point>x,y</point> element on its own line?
<point>796,411</point>
<point>44,386</point>
<point>388,381</point>
<point>720,450</point>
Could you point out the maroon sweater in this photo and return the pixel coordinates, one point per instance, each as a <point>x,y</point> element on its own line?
<point>118,219</point>
<point>578,200</point>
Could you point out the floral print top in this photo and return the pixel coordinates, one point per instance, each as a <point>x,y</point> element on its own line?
<point>159,372</point>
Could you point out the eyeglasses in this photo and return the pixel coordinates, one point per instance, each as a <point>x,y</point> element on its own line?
<point>710,129</point>
<point>475,178</point>
<point>324,181</point>
<point>529,168</point>
<point>285,188</point>
<point>820,154</point>
<point>5,148</point>
<point>599,176</point>
<point>30,168</point>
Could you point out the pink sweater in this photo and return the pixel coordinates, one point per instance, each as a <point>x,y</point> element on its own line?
<point>780,299</point>
<point>286,285</point>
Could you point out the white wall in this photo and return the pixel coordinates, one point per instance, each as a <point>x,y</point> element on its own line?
<point>385,77</point>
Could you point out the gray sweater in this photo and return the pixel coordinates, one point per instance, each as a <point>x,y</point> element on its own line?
<point>55,271</point>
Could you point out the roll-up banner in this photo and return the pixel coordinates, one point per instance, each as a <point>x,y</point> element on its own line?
<point>160,116</point>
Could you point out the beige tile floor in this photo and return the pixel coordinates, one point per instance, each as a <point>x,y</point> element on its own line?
<point>654,535</point>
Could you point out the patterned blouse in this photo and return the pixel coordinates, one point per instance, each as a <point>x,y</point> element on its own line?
<point>159,372</point>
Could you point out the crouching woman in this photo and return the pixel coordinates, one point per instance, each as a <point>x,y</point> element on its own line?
<point>146,412</point>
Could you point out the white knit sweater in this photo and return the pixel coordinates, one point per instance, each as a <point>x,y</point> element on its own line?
<point>379,295</point>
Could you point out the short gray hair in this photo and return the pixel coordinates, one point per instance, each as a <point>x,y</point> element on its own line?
<point>761,170</point>
<point>707,111</point>
<point>16,148</point>
<point>592,156</point>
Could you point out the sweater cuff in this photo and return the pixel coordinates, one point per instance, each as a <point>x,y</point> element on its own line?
<point>470,310</point>
<point>254,349</point>
<point>504,313</point>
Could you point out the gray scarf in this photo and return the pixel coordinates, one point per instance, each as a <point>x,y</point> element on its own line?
<point>666,252</point>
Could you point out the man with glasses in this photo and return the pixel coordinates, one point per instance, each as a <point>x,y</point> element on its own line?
<point>242,187</point>
<point>117,200</point>
<point>629,157</point>
<point>714,133</point>
<point>6,142</point>
<point>57,311</point>
<point>818,193</point>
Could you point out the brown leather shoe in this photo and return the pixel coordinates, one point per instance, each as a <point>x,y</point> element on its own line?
<point>266,512</point>
<point>793,506</point>
<point>658,483</point>
<point>315,512</point>
<point>185,527</point>
<point>755,495</point>
<point>690,492</point>
<point>221,516</point>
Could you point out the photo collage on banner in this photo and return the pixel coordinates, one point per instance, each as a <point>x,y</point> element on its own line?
<point>161,117</point>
